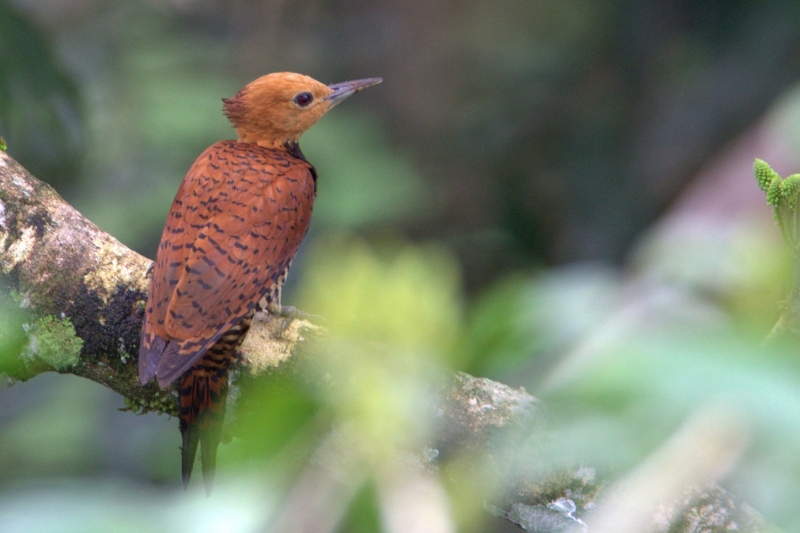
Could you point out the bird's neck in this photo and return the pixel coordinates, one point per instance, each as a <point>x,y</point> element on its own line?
<point>294,149</point>
<point>268,139</point>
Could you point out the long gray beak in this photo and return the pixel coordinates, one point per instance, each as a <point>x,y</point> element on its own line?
<point>346,88</point>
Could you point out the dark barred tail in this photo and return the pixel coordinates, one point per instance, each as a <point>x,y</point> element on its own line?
<point>203,392</point>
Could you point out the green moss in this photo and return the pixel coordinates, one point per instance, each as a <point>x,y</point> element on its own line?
<point>3,145</point>
<point>54,341</point>
<point>160,405</point>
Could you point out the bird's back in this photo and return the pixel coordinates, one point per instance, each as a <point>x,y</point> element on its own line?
<point>234,226</point>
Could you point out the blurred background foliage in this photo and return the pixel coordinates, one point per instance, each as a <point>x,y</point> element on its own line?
<point>557,195</point>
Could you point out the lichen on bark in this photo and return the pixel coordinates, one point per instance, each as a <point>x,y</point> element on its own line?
<point>54,342</point>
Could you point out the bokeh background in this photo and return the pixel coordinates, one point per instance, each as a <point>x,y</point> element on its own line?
<point>556,195</point>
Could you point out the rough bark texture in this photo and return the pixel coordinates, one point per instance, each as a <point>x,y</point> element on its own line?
<point>82,291</point>
<point>56,263</point>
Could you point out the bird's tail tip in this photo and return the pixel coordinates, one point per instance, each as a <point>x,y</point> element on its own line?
<point>202,412</point>
<point>191,437</point>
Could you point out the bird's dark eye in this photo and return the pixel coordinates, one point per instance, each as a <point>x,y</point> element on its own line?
<point>303,99</point>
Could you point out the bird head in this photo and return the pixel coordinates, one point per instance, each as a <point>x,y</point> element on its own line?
<point>278,108</point>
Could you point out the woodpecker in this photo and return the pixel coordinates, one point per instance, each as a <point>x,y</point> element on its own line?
<point>233,229</point>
